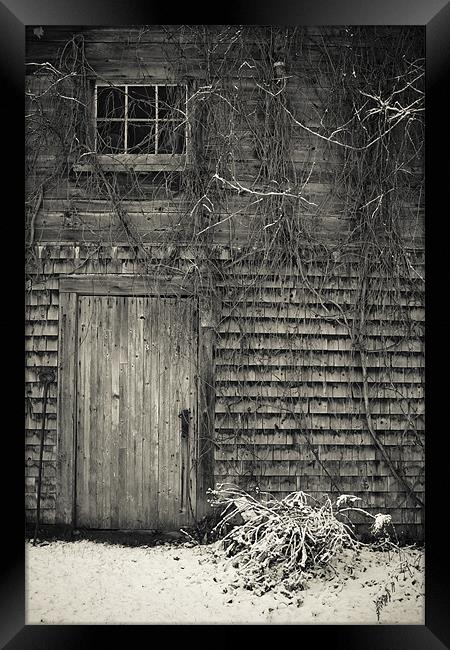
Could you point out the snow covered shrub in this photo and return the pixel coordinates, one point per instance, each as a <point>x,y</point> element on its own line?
<point>283,541</point>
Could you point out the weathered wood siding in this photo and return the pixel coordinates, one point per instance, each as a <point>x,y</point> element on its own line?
<point>75,206</point>
<point>136,374</point>
<point>289,410</point>
<point>283,373</point>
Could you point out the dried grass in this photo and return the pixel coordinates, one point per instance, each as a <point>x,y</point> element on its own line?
<point>285,541</point>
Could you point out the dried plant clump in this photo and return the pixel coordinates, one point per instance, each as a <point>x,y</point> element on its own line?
<point>284,541</point>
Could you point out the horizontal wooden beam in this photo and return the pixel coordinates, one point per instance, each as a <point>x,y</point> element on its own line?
<point>120,284</point>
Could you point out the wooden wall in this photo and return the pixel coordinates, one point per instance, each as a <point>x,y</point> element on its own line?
<point>290,411</point>
<point>76,206</point>
<point>289,408</point>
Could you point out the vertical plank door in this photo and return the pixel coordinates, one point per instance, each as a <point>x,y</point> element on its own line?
<point>136,412</point>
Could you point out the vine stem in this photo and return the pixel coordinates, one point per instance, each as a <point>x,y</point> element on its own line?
<point>368,413</point>
<point>377,442</point>
<point>36,209</point>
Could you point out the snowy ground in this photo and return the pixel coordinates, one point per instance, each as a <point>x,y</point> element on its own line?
<point>86,582</point>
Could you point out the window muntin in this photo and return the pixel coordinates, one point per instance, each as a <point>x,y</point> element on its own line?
<point>141,119</point>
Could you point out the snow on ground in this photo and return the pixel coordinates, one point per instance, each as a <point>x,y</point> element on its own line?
<point>86,582</point>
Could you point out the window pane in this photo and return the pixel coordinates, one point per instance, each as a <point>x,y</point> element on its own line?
<point>171,102</point>
<point>111,101</point>
<point>141,137</point>
<point>141,102</point>
<point>171,137</point>
<point>110,137</point>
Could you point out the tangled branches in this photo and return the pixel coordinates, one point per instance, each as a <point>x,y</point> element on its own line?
<point>284,541</point>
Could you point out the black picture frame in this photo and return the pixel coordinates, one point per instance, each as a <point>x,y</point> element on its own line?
<point>435,16</point>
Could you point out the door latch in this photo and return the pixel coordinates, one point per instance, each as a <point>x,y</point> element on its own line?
<point>185,416</point>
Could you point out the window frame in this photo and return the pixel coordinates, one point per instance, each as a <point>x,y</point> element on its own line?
<point>136,161</point>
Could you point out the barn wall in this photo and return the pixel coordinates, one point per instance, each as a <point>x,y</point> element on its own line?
<point>289,408</point>
<point>290,413</point>
<point>289,404</point>
<point>76,206</point>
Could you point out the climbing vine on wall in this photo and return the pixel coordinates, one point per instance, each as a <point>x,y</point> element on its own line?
<point>351,101</point>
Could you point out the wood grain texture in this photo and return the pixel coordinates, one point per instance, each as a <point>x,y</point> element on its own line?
<point>134,378</point>
<point>122,284</point>
<point>66,409</point>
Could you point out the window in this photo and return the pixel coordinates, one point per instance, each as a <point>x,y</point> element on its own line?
<point>141,124</point>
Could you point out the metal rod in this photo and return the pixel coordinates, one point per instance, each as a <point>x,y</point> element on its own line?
<point>46,378</point>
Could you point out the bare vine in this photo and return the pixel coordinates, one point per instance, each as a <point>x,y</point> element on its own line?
<point>245,192</point>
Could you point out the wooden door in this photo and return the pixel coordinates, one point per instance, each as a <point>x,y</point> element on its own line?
<point>136,457</point>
